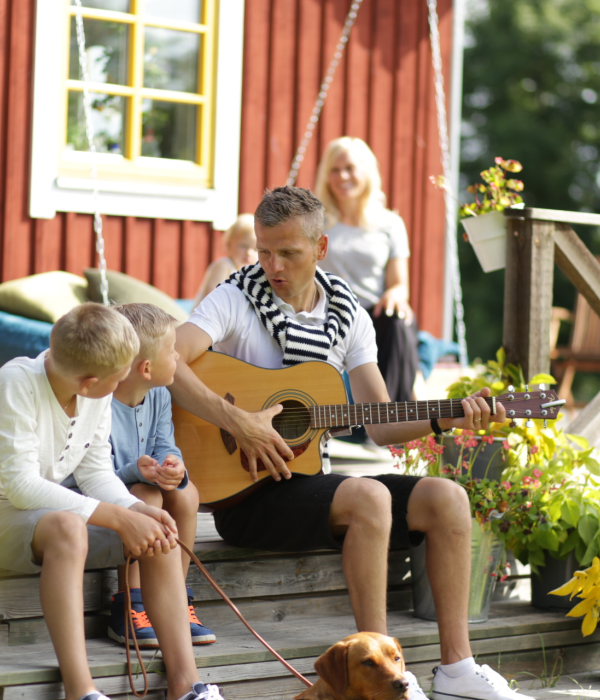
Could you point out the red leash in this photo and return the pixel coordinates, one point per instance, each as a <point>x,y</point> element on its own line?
<point>226,598</point>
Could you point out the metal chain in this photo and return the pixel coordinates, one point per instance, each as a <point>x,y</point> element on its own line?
<point>440,101</point>
<point>89,130</point>
<point>323,91</point>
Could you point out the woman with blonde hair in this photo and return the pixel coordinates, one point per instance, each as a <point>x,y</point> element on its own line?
<point>368,247</point>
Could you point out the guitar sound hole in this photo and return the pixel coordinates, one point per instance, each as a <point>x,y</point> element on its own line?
<point>293,421</point>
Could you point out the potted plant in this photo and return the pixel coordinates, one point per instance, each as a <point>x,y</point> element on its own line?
<point>547,492</point>
<point>484,224</point>
<point>424,457</point>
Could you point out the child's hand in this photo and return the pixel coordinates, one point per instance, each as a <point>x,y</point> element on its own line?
<point>148,531</point>
<point>170,473</point>
<point>147,466</point>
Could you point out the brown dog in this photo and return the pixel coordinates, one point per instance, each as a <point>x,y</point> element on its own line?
<point>364,666</point>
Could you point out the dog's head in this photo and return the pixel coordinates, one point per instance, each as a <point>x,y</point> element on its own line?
<point>365,665</point>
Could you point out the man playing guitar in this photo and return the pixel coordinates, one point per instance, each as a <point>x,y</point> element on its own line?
<point>278,313</point>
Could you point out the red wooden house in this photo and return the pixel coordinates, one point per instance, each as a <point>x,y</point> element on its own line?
<point>239,85</point>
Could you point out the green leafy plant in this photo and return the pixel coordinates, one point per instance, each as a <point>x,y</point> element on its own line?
<point>547,498</point>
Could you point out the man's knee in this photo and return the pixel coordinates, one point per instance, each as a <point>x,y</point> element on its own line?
<point>61,532</point>
<point>363,500</point>
<point>438,500</point>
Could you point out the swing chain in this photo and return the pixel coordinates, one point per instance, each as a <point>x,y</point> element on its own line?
<point>89,130</point>
<point>440,101</point>
<point>323,92</point>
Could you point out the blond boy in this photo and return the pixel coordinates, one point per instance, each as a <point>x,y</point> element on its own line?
<point>147,460</point>
<point>54,424</point>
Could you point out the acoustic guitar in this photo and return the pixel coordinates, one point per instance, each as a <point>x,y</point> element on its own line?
<point>315,406</point>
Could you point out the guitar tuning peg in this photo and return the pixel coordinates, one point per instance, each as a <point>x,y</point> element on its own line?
<point>545,424</point>
<point>529,423</point>
<point>513,423</point>
<point>510,388</point>
<point>526,387</point>
<point>542,387</point>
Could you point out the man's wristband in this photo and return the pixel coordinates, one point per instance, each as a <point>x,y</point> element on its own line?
<point>435,426</point>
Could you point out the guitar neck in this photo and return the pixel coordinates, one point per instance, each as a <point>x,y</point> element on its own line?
<point>345,415</point>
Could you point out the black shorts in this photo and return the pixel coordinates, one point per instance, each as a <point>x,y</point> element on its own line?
<point>293,515</point>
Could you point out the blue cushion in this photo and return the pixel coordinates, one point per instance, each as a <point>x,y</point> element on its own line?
<point>21,336</point>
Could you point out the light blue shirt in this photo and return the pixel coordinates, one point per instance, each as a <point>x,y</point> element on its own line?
<point>146,429</point>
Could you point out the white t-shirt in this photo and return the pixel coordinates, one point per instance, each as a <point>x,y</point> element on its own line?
<point>235,330</point>
<point>360,256</point>
<point>40,445</point>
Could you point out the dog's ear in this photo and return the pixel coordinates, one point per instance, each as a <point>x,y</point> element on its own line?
<point>332,667</point>
<point>401,653</point>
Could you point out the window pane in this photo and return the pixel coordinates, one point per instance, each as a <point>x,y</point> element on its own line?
<point>108,119</point>
<point>171,59</point>
<point>181,10</point>
<point>115,5</point>
<point>169,130</point>
<point>106,51</point>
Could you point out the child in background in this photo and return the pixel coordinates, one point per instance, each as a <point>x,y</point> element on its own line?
<point>240,243</point>
<point>147,460</point>
<point>54,424</point>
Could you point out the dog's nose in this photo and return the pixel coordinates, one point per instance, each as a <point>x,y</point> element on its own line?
<point>400,684</point>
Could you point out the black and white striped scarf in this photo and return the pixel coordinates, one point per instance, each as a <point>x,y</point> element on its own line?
<point>300,343</point>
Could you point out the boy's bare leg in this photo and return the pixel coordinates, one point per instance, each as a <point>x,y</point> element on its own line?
<point>60,543</point>
<point>163,591</point>
<point>182,505</point>
<point>151,495</point>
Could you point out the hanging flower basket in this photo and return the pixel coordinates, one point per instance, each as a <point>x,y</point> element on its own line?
<point>487,235</point>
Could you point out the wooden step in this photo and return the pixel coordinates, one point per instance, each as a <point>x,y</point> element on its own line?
<point>515,639</point>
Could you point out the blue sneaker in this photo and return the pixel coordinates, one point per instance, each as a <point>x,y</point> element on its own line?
<point>200,633</point>
<point>146,637</point>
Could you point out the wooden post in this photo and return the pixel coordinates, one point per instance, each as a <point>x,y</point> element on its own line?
<point>528,294</point>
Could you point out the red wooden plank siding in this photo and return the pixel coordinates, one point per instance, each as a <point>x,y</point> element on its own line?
<point>255,95</point>
<point>309,71</point>
<point>382,92</point>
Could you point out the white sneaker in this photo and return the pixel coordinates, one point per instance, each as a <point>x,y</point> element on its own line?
<point>480,683</point>
<point>200,691</point>
<point>415,692</point>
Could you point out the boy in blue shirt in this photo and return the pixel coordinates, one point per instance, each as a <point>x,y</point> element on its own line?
<point>147,460</point>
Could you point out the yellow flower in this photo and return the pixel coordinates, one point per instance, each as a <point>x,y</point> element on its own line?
<point>589,622</point>
<point>582,608</point>
<point>571,587</point>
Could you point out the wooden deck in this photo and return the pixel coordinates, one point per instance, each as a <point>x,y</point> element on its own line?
<point>299,603</point>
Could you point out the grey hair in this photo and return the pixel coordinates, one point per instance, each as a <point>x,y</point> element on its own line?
<point>284,203</point>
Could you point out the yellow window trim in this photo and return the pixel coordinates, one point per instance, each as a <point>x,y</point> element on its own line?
<point>198,174</point>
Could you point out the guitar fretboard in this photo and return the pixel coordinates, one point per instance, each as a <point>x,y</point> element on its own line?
<point>344,415</point>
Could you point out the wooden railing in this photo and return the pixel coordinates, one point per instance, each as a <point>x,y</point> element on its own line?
<point>536,239</point>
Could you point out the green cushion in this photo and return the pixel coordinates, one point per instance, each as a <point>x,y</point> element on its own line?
<point>123,289</point>
<point>43,297</point>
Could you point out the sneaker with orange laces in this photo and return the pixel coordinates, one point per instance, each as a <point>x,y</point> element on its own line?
<point>200,633</point>
<point>145,635</point>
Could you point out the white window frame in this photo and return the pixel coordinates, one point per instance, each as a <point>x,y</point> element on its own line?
<point>50,193</point>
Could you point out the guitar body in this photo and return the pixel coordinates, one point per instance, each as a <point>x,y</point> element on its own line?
<point>213,459</point>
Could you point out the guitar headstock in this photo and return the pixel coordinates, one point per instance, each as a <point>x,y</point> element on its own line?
<point>531,404</point>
